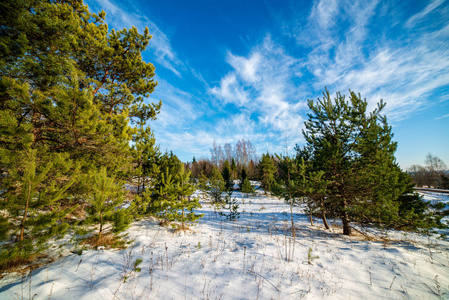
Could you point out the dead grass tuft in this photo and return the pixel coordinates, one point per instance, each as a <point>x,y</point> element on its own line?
<point>22,265</point>
<point>108,241</point>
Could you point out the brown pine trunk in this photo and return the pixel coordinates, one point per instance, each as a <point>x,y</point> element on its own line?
<point>345,220</point>
<point>183,218</point>
<point>101,225</point>
<point>323,215</point>
<point>291,216</point>
<point>22,226</point>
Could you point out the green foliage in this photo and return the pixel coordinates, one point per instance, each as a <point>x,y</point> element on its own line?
<point>165,197</point>
<point>136,265</point>
<point>355,152</point>
<point>216,186</point>
<point>247,187</point>
<point>226,173</point>
<point>311,257</point>
<point>70,93</point>
<point>243,176</point>
<point>104,204</point>
<point>173,200</point>
<point>267,172</point>
<point>31,200</point>
<point>183,209</point>
<point>145,156</point>
<point>230,204</point>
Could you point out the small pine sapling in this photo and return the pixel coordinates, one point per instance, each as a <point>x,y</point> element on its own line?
<point>216,186</point>
<point>165,198</point>
<point>182,210</point>
<point>105,202</point>
<point>247,187</point>
<point>33,208</point>
<point>311,257</point>
<point>230,204</point>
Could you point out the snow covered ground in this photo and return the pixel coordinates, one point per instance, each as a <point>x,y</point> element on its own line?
<point>253,257</point>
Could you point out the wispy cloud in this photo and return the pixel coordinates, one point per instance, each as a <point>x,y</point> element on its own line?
<point>356,52</point>
<point>442,117</point>
<point>346,47</point>
<point>415,19</point>
<point>263,85</point>
<point>118,17</point>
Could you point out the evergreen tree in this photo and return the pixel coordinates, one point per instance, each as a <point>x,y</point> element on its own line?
<point>71,88</point>
<point>203,182</point>
<point>227,178</point>
<point>170,162</point>
<point>230,204</point>
<point>247,187</point>
<point>183,208</point>
<point>33,209</point>
<point>146,155</point>
<point>289,185</point>
<point>243,176</point>
<point>355,152</point>
<point>216,186</point>
<point>165,197</point>
<point>267,171</point>
<point>104,205</point>
<point>234,169</point>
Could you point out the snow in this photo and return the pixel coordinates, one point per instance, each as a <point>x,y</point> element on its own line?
<point>254,257</point>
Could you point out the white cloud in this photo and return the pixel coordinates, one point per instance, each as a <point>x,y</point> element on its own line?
<point>403,73</point>
<point>247,68</point>
<point>230,91</point>
<point>120,16</point>
<point>415,19</point>
<point>442,117</point>
<point>262,84</point>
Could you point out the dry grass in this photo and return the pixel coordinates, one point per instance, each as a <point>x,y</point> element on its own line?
<point>21,265</point>
<point>108,241</point>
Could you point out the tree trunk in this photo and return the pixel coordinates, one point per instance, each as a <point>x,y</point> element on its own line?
<point>291,216</point>
<point>345,220</point>
<point>323,215</point>
<point>101,225</point>
<point>183,216</point>
<point>22,226</point>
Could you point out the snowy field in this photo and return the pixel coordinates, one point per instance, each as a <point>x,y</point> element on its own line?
<point>253,257</point>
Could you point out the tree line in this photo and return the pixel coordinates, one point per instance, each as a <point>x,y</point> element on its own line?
<point>432,175</point>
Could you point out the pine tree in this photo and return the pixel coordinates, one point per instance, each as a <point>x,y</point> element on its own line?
<point>104,204</point>
<point>182,209</point>
<point>230,204</point>
<point>267,171</point>
<point>227,176</point>
<point>69,87</point>
<point>247,187</point>
<point>288,185</point>
<point>243,176</point>
<point>32,208</point>
<point>355,152</point>
<point>165,197</point>
<point>146,155</point>
<point>216,186</point>
<point>233,165</point>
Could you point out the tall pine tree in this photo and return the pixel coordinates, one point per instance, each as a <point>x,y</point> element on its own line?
<point>355,152</point>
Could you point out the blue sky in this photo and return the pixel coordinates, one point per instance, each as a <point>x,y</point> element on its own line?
<point>231,70</point>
